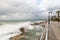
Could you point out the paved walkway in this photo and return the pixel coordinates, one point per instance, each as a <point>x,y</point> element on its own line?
<point>54,31</point>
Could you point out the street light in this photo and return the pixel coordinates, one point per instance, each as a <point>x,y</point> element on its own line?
<point>49,18</point>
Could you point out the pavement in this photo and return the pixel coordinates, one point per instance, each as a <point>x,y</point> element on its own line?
<point>54,31</point>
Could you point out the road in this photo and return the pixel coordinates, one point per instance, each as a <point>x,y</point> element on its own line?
<point>54,31</point>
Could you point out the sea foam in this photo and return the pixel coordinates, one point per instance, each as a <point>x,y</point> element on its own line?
<point>10,30</point>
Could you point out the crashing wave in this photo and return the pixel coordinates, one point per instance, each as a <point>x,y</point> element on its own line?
<point>10,30</point>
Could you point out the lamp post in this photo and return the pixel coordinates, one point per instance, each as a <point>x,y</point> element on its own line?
<point>49,18</point>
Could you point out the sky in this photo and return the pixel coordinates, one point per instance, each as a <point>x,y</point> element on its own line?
<point>27,9</point>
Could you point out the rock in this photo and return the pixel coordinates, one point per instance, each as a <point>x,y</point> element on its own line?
<point>19,36</point>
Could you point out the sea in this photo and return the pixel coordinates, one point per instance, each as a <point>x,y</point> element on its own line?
<point>10,28</point>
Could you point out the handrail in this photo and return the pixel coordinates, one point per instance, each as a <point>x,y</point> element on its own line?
<point>46,38</point>
<point>43,34</point>
<point>46,33</point>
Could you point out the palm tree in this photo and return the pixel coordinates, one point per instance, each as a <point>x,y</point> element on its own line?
<point>58,12</point>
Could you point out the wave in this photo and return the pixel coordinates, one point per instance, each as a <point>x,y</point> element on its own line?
<point>10,30</point>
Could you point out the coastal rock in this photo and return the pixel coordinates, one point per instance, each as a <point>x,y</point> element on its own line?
<point>19,36</point>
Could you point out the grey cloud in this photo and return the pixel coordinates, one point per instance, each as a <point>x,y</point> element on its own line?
<point>18,10</point>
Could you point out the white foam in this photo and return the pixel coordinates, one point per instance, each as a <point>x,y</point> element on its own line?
<point>10,30</point>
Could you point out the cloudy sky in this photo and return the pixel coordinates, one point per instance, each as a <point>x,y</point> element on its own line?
<point>26,9</point>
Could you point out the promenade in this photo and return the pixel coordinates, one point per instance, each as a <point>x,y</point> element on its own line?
<point>54,31</point>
